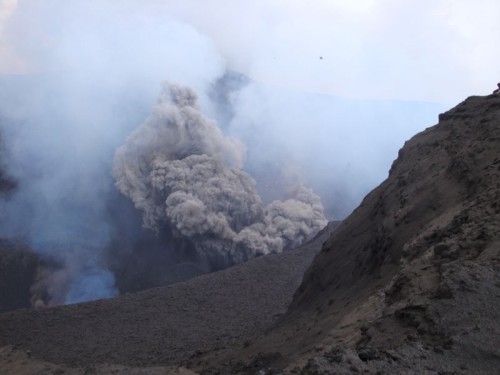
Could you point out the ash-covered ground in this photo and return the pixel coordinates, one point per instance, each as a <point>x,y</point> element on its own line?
<point>160,327</point>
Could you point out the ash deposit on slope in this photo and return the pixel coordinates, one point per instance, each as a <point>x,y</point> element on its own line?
<point>185,177</point>
<point>410,281</point>
<point>161,326</point>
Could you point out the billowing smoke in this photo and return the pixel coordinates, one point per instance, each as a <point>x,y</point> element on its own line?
<point>84,87</point>
<point>76,78</point>
<point>184,175</point>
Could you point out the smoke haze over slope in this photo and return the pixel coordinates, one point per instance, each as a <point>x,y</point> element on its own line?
<point>89,74</point>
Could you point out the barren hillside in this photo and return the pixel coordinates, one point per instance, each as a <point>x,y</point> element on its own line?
<point>410,281</point>
<point>161,326</point>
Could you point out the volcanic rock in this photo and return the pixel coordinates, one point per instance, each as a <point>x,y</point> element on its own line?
<point>410,281</point>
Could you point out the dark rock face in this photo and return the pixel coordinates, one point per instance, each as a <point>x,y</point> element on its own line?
<point>441,194</point>
<point>18,272</point>
<point>411,278</point>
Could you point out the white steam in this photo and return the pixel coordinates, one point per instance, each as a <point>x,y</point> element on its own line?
<point>88,72</point>
<point>184,174</point>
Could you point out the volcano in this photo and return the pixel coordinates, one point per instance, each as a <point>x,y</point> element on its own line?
<point>408,283</point>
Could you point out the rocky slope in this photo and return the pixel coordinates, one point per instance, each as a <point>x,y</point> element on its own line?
<point>410,282</point>
<point>158,327</point>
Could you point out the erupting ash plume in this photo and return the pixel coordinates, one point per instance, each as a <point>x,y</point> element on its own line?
<point>81,92</point>
<point>185,176</point>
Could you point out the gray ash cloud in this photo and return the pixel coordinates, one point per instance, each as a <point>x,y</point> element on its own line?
<point>185,176</point>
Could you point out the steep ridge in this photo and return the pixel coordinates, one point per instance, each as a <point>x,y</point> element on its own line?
<point>410,282</point>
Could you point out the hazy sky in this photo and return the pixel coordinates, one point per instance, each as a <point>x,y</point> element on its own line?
<point>431,50</point>
<point>389,67</point>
